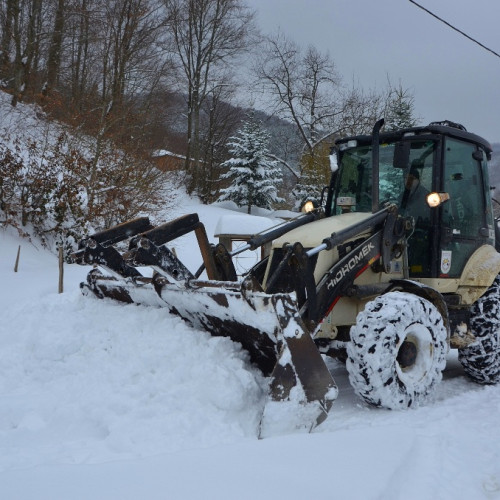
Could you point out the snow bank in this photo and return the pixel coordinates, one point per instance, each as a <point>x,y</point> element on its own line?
<point>107,401</point>
<point>81,385</point>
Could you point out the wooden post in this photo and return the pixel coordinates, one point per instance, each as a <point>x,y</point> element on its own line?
<point>206,252</point>
<point>17,259</point>
<point>61,270</point>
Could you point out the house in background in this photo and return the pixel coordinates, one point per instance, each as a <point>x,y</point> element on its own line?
<point>168,161</point>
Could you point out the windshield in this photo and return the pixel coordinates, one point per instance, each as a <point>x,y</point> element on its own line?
<point>398,179</point>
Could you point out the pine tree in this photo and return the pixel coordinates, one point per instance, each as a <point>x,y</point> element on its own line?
<point>254,177</point>
<point>399,109</point>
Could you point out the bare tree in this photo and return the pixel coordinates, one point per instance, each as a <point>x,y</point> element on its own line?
<point>218,123</point>
<point>131,27</point>
<point>82,31</point>
<point>22,31</point>
<point>8,11</point>
<point>113,65</point>
<point>207,37</point>
<point>55,48</point>
<point>306,89</point>
<point>360,110</point>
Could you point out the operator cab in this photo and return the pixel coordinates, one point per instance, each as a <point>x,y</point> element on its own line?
<point>438,175</point>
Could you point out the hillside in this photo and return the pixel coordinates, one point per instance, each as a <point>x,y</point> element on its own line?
<point>59,184</point>
<point>102,400</point>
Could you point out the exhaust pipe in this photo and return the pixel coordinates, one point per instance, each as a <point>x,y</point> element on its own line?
<point>375,165</point>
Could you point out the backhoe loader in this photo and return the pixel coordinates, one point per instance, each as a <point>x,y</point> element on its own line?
<point>398,264</point>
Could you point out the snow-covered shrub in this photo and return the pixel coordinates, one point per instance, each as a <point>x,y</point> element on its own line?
<point>59,192</point>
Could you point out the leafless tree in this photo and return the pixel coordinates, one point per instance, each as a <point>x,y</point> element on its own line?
<point>8,10</point>
<point>55,47</point>
<point>80,65</point>
<point>22,30</point>
<point>218,123</point>
<point>207,35</point>
<point>305,88</point>
<point>130,29</point>
<point>360,110</point>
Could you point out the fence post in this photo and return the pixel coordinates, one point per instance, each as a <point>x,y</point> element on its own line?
<point>17,259</point>
<point>61,270</point>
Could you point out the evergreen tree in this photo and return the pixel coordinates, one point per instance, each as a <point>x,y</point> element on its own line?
<point>254,177</point>
<point>399,111</point>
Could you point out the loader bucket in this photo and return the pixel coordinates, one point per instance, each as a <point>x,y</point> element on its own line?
<point>301,389</point>
<point>268,326</point>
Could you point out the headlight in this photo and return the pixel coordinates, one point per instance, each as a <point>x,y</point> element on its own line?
<point>308,206</point>
<point>435,199</point>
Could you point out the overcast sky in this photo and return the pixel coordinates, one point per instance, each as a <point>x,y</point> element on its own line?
<point>450,76</point>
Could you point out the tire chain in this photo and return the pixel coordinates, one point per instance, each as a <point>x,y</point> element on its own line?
<point>377,330</point>
<point>481,359</point>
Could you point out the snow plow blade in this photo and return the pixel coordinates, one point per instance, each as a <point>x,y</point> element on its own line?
<point>268,326</point>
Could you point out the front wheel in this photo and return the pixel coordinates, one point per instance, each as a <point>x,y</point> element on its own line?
<point>481,359</point>
<point>397,351</point>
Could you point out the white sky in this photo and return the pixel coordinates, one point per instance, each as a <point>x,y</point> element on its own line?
<point>451,77</point>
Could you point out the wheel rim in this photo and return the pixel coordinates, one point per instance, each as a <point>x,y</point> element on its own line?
<point>415,354</point>
<point>407,354</point>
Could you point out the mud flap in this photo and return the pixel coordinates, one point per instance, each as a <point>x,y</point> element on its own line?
<point>301,390</point>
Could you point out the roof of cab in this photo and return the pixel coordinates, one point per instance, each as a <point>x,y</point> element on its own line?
<point>445,128</point>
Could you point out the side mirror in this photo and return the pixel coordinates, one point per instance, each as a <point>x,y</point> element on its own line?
<point>478,155</point>
<point>323,191</point>
<point>401,154</point>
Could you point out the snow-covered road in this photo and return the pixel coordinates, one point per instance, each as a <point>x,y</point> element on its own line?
<point>100,400</point>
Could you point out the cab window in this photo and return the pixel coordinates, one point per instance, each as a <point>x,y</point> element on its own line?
<point>465,211</point>
<point>464,215</point>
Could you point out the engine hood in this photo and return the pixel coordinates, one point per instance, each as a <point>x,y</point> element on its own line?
<point>313,234</point>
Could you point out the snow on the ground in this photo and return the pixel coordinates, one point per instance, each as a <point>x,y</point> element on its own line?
<point>100,400</point>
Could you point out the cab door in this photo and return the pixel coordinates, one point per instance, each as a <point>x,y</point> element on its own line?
<point>467,217</point>
<point>419,180</point>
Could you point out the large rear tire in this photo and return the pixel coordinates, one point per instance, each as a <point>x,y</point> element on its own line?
<point>397,351</point>
<point>481,359</point>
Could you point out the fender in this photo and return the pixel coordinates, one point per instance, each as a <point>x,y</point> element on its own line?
<point>426,292</point>
<point>479,273</point>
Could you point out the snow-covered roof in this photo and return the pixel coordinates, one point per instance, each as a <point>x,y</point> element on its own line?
<point>164,152</point>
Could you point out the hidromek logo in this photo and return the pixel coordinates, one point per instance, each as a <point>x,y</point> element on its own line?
<point>350,264</point>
